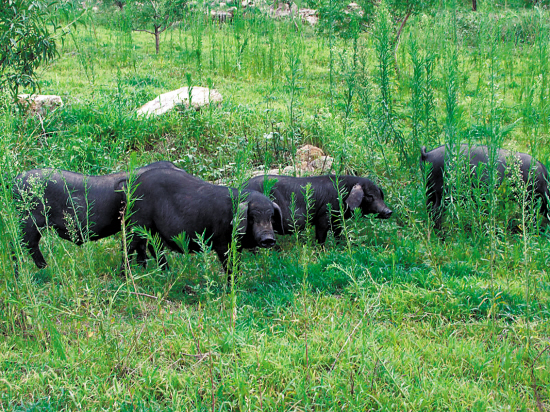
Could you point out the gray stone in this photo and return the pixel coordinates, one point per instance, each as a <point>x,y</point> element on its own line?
<point>283,10</point>
<point>40,104</point>
<point>309,16</point>
<point>200,96</point>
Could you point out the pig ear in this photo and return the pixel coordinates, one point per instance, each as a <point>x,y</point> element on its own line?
<point>355,197</point>
<point>241,218</point>
<point>120,187</point>
<point>278,219</point>
<point>121,184</point>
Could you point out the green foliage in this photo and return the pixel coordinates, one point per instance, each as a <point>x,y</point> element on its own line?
<point>155,16</point>
<point>400,8</point>
<point>390,316</point>
<point>337,18</point>
<point>26,42</point>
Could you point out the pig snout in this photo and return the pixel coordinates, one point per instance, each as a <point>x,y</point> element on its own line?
<point>264,235</point>
<point>267,241</point>
<point>385,213</point>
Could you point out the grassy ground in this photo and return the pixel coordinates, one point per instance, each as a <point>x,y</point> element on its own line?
<point>392,317</point>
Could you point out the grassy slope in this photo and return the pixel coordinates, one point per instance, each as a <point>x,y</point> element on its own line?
<point>397,321</point>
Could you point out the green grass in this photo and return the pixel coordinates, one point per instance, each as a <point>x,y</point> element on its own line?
<point>395,318</point>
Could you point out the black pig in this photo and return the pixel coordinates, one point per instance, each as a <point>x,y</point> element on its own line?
<point>479,155</point>
<point>170,202</point>
<point>357,192</point>
<point>76,206</point>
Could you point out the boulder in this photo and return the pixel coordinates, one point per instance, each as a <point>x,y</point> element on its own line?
<point>309,16</point>
<point>40,104</point>
<point>300,169</point>
<point>354,8</point>
<point>322,165</point>
<point>269,172</point>
<point>222,16</point>
<point>310,160</point>
<point>308,153</point>
<point>200,96</point>
<point>283,9</point>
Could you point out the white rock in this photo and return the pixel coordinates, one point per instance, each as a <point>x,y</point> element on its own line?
<point>291,171</point>
<point>283,10</point>
<point>222,16</point>
<point>309,160</point>
<point>308,153</point>
<point>261,172</point>
<point>356,9</point>
<point>200,96</point>
<point>40,104</point>
<point>309,16</point>
<point>322,165</point>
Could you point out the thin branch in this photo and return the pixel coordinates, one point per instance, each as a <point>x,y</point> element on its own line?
<point>168,25</point>
<point>146,31</point>
<point>409,12</point>
<point>398,38</point>
<point>143,294</point>
<point>353,332</point>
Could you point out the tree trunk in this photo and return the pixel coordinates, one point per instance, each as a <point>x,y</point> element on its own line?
<point>474,5</point>
<point>409,12</point>
<point>398,38</point>
<point>157,39</point>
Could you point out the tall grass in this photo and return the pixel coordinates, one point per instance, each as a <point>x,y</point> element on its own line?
<point>390,316</point>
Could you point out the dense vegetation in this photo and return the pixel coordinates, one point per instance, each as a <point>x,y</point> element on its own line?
<point>392,317</point>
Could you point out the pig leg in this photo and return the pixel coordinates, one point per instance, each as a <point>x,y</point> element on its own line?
<point>321,232</point>
<point>544,206</point>
<point>31,238</point>
<point>435,209</point>
<point>134,246</point>
<point>322,227</point>
<point>222,252</point>
<point>138,245</point>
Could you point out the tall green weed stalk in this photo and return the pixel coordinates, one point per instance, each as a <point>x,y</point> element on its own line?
<point>372,139</point>
<point>331,17</point>
<point>242,159</point>
<point>542,41</point>
<point>456,166</point>
<point>293,87</point>
<point>349,76</point>
<point>421,104</point>
<point>417,95</point>
<point>13,289</point>
<point>386,115</point>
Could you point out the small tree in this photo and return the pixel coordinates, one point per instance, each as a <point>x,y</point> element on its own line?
<point>28,33</point>
<point>339,18</point>
<point>155,16</point>
<point>403,9</point>
<point>25,43</point>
